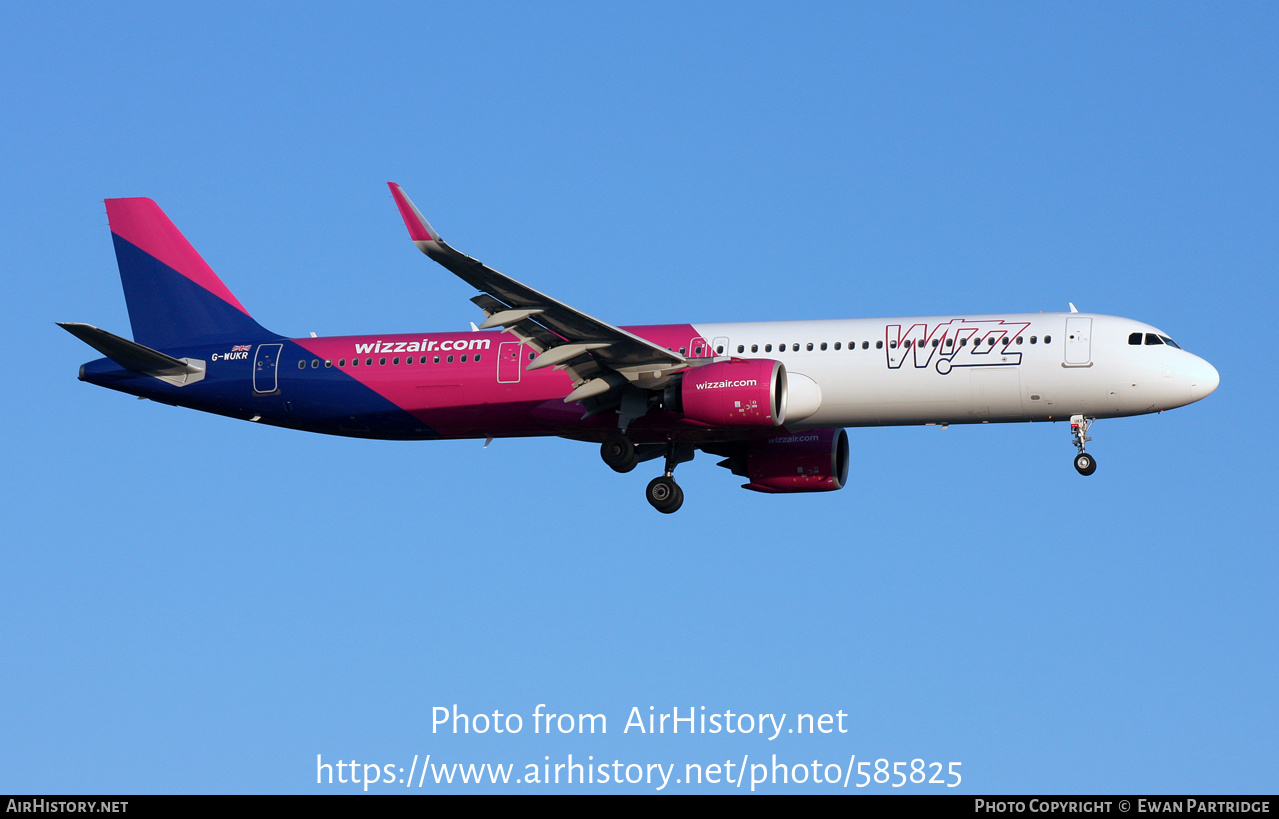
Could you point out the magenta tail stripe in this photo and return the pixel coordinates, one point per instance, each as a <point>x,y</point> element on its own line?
<point>141,223</point>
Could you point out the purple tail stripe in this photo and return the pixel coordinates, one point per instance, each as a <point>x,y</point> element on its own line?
<point>141,223</point>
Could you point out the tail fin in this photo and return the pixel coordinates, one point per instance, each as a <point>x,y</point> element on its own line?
<point>174,297</point>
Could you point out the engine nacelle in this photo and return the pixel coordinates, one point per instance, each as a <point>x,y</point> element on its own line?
<point>742,392</point>
<point>814,460</point>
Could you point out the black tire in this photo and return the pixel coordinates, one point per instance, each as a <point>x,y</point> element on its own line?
<point>619,453</point>
<point>1085,464</point>
<point>665,495</point>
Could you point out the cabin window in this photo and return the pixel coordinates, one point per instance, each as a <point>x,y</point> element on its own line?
<point>794,348</point>
<point>892,345</point>
<point>450,359</point>
<point>1048,339</point>
<point>950,342</point>
<point>768,348</point>
<point>754,348</point>
<point>1019,339</point>
<point>810,347</point>
<point>341,362</point>
<point>435,360</point>
<point>879,345</point>
<point>837,343</point>
<point>936,342</point>
<point>301,365</point>
<point>1034,339</point>
<point>382,361</point>
<point>395,360</point>
<point>463,359</point>
<point>328,362</point>
<point>477,357</point>
<point>741,348</point>
<point>823,346</point>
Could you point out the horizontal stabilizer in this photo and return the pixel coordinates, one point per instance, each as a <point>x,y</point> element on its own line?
<point>134,356</point>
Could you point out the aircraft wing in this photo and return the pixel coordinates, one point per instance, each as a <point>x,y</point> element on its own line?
<point>599,356</point>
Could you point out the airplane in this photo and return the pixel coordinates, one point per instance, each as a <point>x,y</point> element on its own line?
<point>773,399</point>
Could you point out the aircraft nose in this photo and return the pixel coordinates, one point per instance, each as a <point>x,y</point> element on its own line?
<point>1204,378</point>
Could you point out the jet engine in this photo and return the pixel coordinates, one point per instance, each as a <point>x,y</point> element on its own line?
<point>735,393</point>
<point>813,460</point>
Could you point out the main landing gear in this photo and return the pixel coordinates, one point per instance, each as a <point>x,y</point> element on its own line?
<point>663,493</point>
<point>1085,464</point>
<point>621,454</point>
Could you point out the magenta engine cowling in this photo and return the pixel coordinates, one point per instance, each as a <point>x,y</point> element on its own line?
<point>736,393</point>
<point>815,460</point>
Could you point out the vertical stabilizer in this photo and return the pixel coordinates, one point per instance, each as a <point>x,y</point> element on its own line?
<point>174,297</point>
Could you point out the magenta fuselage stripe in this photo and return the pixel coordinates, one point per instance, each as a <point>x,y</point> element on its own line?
<point>466,398</point>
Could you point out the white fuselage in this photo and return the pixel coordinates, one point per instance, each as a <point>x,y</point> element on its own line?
<point>971,369</point>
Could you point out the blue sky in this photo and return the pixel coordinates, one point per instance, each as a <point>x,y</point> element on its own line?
<point>191,604</point>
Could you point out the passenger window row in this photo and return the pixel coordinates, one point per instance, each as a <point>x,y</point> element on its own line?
<point>368,362</point>
<point>879,345</point>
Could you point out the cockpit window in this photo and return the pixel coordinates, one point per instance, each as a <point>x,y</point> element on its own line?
<point>1152,340</point>
<point>1134,339</point>
<point>1170,342</point>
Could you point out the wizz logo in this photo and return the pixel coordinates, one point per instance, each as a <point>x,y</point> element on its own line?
<point>955,343</point>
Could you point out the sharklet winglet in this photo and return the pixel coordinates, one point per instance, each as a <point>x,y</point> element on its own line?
<point>420,230</point>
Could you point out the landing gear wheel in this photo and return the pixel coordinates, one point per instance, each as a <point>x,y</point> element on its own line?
<point>1085,464</point>
<point>619,453</point>
<point>665,495</point>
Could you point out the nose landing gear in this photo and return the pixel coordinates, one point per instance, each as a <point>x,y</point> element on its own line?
<point>1085,464</point>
